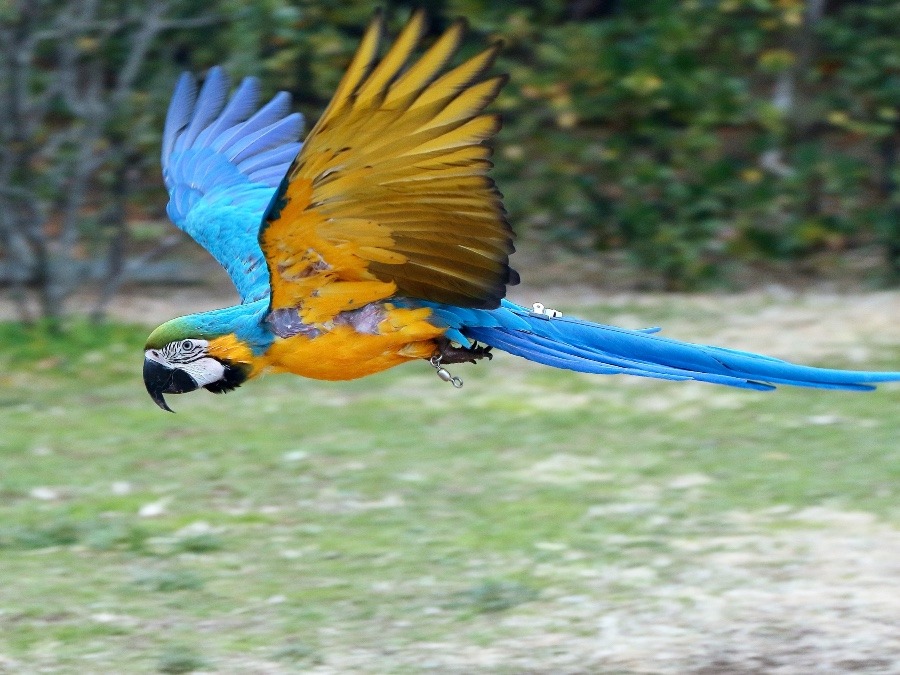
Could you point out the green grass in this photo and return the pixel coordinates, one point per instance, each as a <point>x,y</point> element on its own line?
<point>298,523</point>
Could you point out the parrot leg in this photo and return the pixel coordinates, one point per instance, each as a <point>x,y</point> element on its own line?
<point>447,353</point>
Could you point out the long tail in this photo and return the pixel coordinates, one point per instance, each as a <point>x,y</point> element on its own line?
<point>573,344</point>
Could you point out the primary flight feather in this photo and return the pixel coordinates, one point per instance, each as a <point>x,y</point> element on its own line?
<point>381,238</point>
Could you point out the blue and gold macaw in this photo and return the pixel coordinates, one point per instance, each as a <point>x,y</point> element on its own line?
<point>381,239</point>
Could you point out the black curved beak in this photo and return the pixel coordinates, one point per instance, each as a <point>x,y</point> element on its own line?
<point>161,379</point>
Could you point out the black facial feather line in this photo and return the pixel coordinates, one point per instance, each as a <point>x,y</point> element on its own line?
<point>233,378</point>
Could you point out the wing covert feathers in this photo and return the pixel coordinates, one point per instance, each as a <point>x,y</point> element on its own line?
<point>391,186</point>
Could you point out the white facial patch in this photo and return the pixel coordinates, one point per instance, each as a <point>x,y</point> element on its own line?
<point>191,357</point>
<point>204,371</point>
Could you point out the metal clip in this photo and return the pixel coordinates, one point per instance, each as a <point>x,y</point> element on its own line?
<point>443,373</point>
<point>539,308</point>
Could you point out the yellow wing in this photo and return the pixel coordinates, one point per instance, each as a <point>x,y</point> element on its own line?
<point>390,193</point>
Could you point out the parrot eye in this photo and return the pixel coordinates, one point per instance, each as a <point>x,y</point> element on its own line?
<point>187,344</point>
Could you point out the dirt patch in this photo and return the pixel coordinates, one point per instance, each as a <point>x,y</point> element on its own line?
<point>821,598</point>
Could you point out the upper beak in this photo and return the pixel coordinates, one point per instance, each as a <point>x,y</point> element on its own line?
<point>161,379</point>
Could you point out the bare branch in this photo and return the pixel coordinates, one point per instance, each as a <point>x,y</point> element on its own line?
<point>53,169</point>
<point>150,28</point>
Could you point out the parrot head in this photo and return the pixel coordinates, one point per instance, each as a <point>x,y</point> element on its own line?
<point>181,356</point>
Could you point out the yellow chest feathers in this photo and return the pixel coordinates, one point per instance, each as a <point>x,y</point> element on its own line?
<point>340,352</point>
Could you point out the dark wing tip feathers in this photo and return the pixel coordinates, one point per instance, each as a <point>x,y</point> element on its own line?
<point>510,276</point>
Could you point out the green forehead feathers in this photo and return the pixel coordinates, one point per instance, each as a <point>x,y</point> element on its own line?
<point>181,328</point>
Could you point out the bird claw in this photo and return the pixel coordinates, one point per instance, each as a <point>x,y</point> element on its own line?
<point>450,354</point>
<point>447,353</point>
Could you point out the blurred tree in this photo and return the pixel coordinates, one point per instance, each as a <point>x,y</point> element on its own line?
<point>73,77</point>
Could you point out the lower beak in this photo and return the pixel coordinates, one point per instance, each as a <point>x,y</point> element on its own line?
<point>161,379</point>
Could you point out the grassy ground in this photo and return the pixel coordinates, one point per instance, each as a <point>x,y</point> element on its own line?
<point>535,521</point>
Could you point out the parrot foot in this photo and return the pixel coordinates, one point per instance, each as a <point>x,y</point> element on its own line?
<point>447,353</point>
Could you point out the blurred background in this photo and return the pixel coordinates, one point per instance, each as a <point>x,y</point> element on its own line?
<point>675,145</point>
<point>727,169</point>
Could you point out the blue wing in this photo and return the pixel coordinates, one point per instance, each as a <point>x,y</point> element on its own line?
<point>222,161</point>
<point>588,347</point>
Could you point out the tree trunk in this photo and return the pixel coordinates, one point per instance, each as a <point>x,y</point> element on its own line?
<point>889,149</point>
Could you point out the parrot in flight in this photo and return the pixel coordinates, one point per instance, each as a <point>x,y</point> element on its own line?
<point>381,238</point>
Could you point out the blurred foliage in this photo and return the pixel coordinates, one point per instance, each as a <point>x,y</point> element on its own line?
<point>696,133</point>
<point>689,135</point>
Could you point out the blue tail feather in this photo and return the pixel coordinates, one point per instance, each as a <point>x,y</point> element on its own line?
<point>579,345</point>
